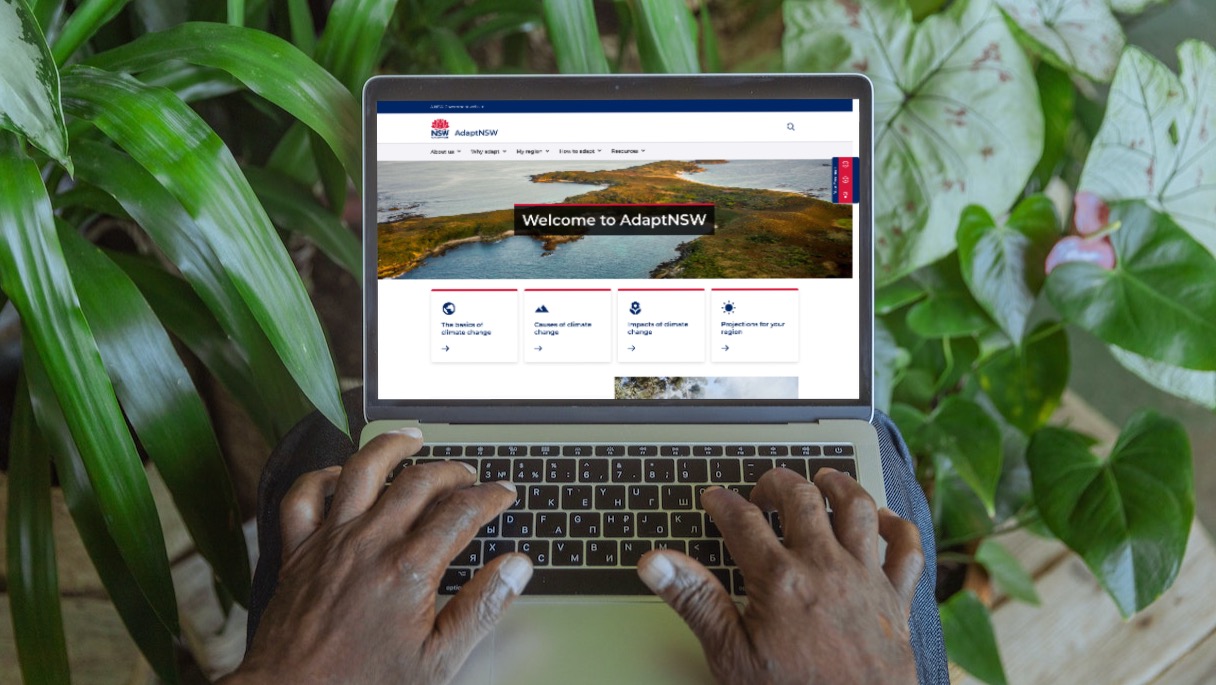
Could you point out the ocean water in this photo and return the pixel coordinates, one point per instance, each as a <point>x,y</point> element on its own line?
<point>808,177</point>
<point>593,256</point>
<point>450,188</point>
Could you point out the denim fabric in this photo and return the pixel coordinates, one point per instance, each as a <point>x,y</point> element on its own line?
<point>904,497</point>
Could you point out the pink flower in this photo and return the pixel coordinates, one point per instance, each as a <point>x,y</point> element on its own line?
<point>1090,213</point>
<point>1075,248</point>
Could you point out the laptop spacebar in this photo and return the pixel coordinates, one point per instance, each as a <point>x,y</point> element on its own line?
<point>591,581</point>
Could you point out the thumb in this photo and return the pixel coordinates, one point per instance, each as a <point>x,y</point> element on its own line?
<point>479,605</point>
<point>697,596</point>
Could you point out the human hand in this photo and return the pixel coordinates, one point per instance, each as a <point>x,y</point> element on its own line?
<point>822,608</point>
<point>356,596</point>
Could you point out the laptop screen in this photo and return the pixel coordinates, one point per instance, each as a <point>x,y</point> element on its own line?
<point>618,250</point>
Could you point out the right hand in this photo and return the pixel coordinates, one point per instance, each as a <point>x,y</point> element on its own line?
<point>821,608</point>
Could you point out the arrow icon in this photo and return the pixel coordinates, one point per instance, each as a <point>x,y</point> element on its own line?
<point>446,348</point>
<point>726,348</point>
<point>632,348</point>
<point>538,348</point>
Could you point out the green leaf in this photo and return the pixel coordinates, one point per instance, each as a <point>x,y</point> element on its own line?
<point>162,404</point>
<point>453,55</point>
<point>950,310</point>
<point>1157,302</point>
<point>350,44</point>
<point>168,139</point>
<point>293,208</point>
<point>1003,263</point>
<point>29,83</point>
<point>575,37</point>
<point>959,432</point>
<point>33,578</point>
<point>188,319</point>
<point>82,23</point>
<point>897,295</point>
<point>34,275</point>
<point>1196,386</point>
<point>667,36</point>
<point>275,403</point>
<point>1058,100</point>
<point>1025,383</point>
<point>303,31</point>
<point>1007,571</point>
<point>267,65</point>
<point>1079,36</point>
<point>970,642</point>
<point>889,361</point>
<point>88,513</point>
<point>1133,6</point>
<point>189,82</point>
<point>956,113</point>
<point>1155,142</point>
<point>1128,516</point>
<point>158,15</point>
<point>709,41</point>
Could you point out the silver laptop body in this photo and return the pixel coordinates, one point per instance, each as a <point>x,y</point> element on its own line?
<point>609,289</point>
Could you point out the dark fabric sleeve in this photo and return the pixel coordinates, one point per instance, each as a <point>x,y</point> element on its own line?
<point>905,497</point>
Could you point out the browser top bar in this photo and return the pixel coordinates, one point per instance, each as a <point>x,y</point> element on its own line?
<point>573,106</point>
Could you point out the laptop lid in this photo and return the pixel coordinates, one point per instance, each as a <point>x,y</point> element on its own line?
<point>618,249</point>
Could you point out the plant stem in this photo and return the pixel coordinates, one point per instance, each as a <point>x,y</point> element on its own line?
<point>948,353</point>
<point>236,12</point>
<point>84,22</point>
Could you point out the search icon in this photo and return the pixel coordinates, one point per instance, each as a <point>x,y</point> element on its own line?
<point>790,126</point>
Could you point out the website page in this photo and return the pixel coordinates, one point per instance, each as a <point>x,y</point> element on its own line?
<point>618,250</point>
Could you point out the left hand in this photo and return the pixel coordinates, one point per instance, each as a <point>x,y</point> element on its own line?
<point>356,596</point>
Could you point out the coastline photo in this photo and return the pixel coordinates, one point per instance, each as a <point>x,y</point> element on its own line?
<point>772,219</point>
<point>706,388</point>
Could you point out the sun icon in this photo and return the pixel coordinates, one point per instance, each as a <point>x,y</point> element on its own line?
<point>729,307</point>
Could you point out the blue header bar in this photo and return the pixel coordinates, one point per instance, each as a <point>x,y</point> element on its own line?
<point>571,106</point>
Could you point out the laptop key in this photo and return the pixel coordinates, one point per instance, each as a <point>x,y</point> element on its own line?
<point>454,579</point>
<point>708,552</point>
<point>608,497</point>
<point>642,497</point>
<point>652,524</point>
<point>675,451</point>
<point>491,529</point>
<point>740,451</point>
<point>754,468</point>
<point>495,469</point>
<point>577,451</point>
<point>601,553</point>
<point>794,464</point>
<point>677,497</point>
<point>512,451</point>
<point>583,581</point>
<point>492,549</point>
<point>545,451</point>
<point>447,451</point>
<point>627,470</point>
<point>567,553</point>
<point>618,524</point>
<point>676,545</point>
<point>551,524</point>
<point>479,451</point>
<point>560,470</point>
<point>537,549</point>
<point>543,497</point>
<point>643,451</point>
<point>660,470</point>
<point>576,496</point>
<point>517,524</point>
<point>585,524</point>
<point>737,586</point>
<point>398,469</point>
<point>844,465</point>
<point>772,450</point>
<point>529,471</point>
<point>804,450</point>
<point>725,471</point>
<point>707,450</point>
<point>609,450</point>
<point>692,470</point>
<point>686,524</point>
<point>593,470</point>
<point>837,450</point>
<point>632,550</point>
<point>470,555</point>
<point>424,451</point>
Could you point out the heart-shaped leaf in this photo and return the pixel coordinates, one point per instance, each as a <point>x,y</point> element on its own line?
<point>29,83</point>
<point>1155,143</point>
<point>1025,383</point>
<point>1080,36</point>
<point>892,296</point>
<point>1196,386</point>
<point>956,112</point>
<point>970,642</point>
<point>1128,516</point>
<point>1157,302</point>
<point>950,311</point>
<point>961,433</point>
<point>1006,571</point>
<point>1003,262</point>
<point>889,360</point>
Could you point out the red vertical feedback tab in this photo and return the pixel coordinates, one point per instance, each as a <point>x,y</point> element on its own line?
<point>846,171</point>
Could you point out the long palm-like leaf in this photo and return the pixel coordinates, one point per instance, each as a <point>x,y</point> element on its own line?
<point>33,582</point>
<point>575,37</point>
<point>168,139</point>
<point>275,402</point>
<point>667,36</point>
<point>293,208</point>
<point>88,513</point>
<point>163,407</point>
<point>350,44</point>
<point>267,65</point>
<point>33,273</point>
<point>29,82</point>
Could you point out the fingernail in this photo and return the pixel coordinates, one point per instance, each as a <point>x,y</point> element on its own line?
<point>516,572</point>
<point>657,573</point>
<point>508,485</point>
<point>470,467</point>
<point>408,431</point>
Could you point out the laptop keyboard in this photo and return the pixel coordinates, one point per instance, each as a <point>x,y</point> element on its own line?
<point>586,513</point>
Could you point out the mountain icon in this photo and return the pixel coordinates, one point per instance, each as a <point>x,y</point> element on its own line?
<point>542,309</point>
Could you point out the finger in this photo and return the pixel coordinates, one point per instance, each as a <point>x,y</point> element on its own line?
<point>745,529</point>
<point>364,475</point>
<point>302,509</point>
<point>854,514</point>
<point>478,607</point>
<point>453,522</point>
<point>905,558</point>
<point>698,597</point>
<point>419,487</point>
<point>804,517</point>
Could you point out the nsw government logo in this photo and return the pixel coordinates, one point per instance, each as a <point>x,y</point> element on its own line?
<point>439,128</point>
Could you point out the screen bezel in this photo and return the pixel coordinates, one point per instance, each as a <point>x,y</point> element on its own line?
<point>637,87</point>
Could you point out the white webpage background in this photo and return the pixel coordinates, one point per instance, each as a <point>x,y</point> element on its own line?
<point>829,309</point>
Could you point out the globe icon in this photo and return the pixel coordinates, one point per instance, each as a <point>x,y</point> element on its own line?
<point>449,308</point>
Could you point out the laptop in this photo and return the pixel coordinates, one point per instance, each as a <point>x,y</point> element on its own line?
<point>616,291</point>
